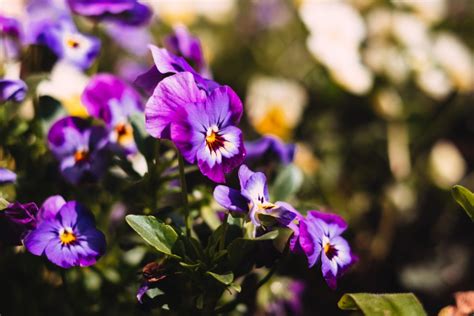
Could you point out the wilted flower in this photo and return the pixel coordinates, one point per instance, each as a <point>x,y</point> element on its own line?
<point>66,42</point>
<point>319,237</point>
<point>269,148</point>
<point>274,105</point>
<point>7,176</point>
<point>129,12</point>
<point>182,43</point>
<point>253,199</point>
<point>108,98</point>
<point>202,126</point>
<point>80,148</point>
<point>66,235</point>
<point>153,272</point>
<point>12,90</point>
<point>16,220</point>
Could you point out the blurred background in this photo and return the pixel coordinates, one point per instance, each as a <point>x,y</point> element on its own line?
<point>378,97</point>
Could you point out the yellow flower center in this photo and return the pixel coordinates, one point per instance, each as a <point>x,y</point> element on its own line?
<point>67,236</point>
<point>330,250</point>
<point>213,140</point>
<point>72,43</point>
<point>124,133</point>
<point>274,122</point>
<point>81,155</point>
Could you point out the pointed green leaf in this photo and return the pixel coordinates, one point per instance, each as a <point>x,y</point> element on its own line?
<point>268,236</point>
<point>223,278</point>
<point>287,183</point>
<point>157,234</point>
<point>465,198</point>
<point>401,304</point>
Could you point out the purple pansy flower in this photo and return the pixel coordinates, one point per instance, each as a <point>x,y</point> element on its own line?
<point>167,64</point>
<point>67,235</point>
<point>16,221</point>
<point>7,176</point>
<point>270,147</point>
<point>79,147</point>
<point>319,237</point>
<point>253,199</point>
<point>129,12</point>
<point>108,98</point>
<point>12,90</point>
<point>10,37</point>
<point>201,126</point>
<point>182,43</point>
<point>62,37</point>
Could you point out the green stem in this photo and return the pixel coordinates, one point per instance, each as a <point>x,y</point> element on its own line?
<point>225,224</point>
<point>184,192</point>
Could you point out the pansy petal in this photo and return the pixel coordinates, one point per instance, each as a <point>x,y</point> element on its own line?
<point>224,106</point>
<point>37,240</point>
<point>51,207</point>
<point>244,174</point>
<point>310,243</point>
<point>256,188</point>
<point>7,176</point>
<point>230,199</point>
<point>173,92</point>
<point>330,271</point>
<point>63,256</point>
<point>336,225</point>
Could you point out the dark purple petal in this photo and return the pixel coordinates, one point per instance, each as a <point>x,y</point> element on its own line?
<point>310,242</point>
<point>230,199</point>
<point>144,287</point>
<point>10,26</point>
<point>12,90</point>
<point>66,135</point>
<point>51,207</point>
<point>147,81</point>
<point>182,43</point>
<point>16,221</point>
<point>7,176</point>
<point>271,148</point>
<point>172,93</point>
<point>123,11</point>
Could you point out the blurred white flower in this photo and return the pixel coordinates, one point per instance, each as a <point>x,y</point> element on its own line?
<point>66,84</point>
<point>434,82</point>
<point>275,105</point>
<point>456,59</point>
<point>336,32</point>
<point>446,164</point>
<point>188,11</point>
<point>431,11</point>
<point>410,31</point>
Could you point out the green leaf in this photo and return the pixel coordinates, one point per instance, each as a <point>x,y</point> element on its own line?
<point>223,278</point>
<point>268,236</point>
<point>402,304</point>
<point>287,183</point>
<point>49,111</point>
<point>3,204</point>
<point>465,198</point>
<point>157,234</point>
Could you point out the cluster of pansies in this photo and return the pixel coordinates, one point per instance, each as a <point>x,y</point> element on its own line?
<point>185,107</point>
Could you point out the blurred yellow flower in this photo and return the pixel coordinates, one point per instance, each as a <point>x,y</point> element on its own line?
<point>274,105</point>
<point>66,84</point>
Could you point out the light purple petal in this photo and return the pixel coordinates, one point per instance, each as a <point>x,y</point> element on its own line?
<point>12,90</point>
<point>173,92</point>
<point>51,207</point>
<point>310,243</point>
<point>7,176</point>
<point>256,189</point>
<point>334,224</point>
<point>63,256</point>
<point>37,240</point>
<point>230,199</point>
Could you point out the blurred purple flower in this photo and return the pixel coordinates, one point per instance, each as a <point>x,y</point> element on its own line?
<point>67,236</point>
<point>201,126</point>
<point>122,33</point>
<point>10,37</point>
<point>108,98</point>
<point>269,147</point>
<point>16,221</point>
<point>129,12</point>
<point>80,148</point>
<point>7,176</point>
<point>62,37</point>
<point>290,301</point>
<point>12,90</point>
<point>253,199</point>
<point>167,64</point>
<point>183,44</point>
<point>320,238</point>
